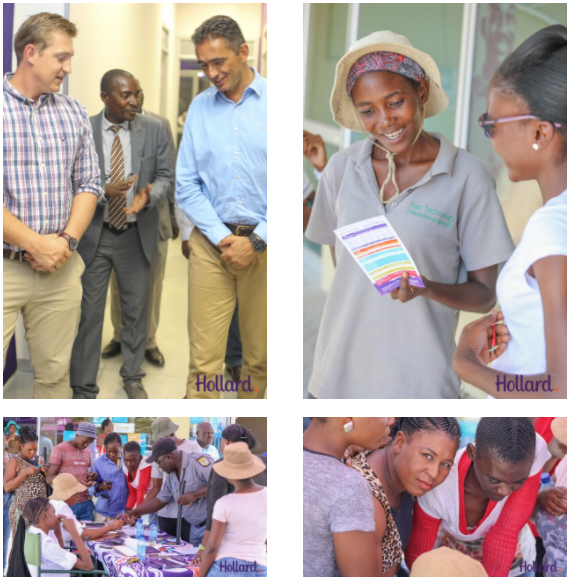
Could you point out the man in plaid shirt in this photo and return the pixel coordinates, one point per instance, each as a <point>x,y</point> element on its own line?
<point>51,189</point>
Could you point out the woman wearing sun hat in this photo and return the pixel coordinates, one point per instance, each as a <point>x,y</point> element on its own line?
<point>66,493</point>
<point>552,519</point>
<point>441,202</point>
<point>236,546</point>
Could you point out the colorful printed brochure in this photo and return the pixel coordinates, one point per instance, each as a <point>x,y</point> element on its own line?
<point>380,253</point>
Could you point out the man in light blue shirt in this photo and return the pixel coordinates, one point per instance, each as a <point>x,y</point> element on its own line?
<point>221,188</point>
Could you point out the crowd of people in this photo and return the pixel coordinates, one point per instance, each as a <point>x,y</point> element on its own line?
<point>385,88</point>
<point>107,202</point>
<point>223,501</point>
<point>381,494</point>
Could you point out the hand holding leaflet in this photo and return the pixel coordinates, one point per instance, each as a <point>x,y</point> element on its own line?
<point>378,250</point>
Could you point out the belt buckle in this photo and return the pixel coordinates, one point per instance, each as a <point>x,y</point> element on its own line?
<point>246,228</point>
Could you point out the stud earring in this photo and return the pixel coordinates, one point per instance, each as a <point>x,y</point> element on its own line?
<point>535,146</point>
<point>348,427</point>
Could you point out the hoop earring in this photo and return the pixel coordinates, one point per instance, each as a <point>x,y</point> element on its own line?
<point>535,146</point>
<point>348,427</point>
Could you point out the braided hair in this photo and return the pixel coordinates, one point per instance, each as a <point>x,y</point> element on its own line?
<point>238,433</point>
<point>34,508</point>
<point>410,426</point>
<point>112,437</point>
<point>512,440</point>
<point>27,435</point>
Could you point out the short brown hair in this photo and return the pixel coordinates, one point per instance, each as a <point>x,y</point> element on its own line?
<point>220,27</point>
<point>38,29</point>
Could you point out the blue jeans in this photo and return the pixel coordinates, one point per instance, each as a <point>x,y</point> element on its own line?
<point>529,574</point>
<point>230,567</point>
<point>83,510</point>
<point>6,528</point>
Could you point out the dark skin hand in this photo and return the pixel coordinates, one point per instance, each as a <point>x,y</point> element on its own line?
<point>477,295</point>
<point>186,249</point>
<point>554,500</point>
<point>550,273</point>
<point>115,190</point>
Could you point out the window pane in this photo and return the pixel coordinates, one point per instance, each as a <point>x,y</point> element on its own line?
<point>327,46</point>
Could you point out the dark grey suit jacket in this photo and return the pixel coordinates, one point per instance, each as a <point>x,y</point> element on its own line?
<point>151,160</point>
<point>167,207</point>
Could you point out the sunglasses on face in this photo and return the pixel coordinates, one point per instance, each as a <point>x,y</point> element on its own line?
<point>485,122</point>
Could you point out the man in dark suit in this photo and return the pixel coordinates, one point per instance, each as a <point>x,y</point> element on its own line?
<point>167,229</point>
<point>134,156</point>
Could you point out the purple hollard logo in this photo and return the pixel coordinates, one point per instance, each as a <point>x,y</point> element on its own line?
<point>519,384</point>
<point>238,567</point>
<point>537,567</point>
<point>219,384</point>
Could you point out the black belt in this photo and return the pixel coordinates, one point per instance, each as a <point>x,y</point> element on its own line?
<point>240,229</point>
<point>15,255</point>
<point>121,229</point>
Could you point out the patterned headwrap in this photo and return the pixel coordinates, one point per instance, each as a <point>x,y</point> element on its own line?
<point>375,62</point>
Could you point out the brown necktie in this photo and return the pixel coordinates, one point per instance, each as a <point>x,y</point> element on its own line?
<point>116,205</point>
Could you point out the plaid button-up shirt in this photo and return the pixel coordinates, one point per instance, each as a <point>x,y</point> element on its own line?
<point>49,157</point>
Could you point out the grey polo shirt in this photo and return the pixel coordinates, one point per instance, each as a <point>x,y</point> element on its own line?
<point>196,476</point>
<point>451,221</point>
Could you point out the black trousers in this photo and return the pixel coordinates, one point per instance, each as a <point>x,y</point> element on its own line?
<point>169,525</point>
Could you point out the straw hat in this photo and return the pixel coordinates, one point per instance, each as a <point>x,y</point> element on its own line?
<point>446,562</point>
<point>239,462</point>
<point>65,486</point>
<point>341,103</point>
<point>559,429</point>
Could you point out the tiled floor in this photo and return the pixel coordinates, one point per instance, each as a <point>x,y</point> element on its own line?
<point>168,382</point>
<point>314,301</point>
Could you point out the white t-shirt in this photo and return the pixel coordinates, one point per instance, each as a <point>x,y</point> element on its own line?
<point>246,532</point>
<point>560,473</point>
<point>53,556</point>
<point>518,292</point>
<point>63,509</point>
<point>443,503</point>
<point>308,186</point>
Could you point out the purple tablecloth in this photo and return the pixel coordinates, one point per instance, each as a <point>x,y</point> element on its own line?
<point>116,565</point>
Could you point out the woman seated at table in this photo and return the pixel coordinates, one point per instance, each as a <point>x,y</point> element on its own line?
<point>111,488</point>
<point>45,523</point>
<point>137,474</point>
<point>66,492</point>
<point>237,543</point>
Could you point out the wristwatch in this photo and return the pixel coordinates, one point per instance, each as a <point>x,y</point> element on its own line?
<point>257,242</point>
<point>71,241</point>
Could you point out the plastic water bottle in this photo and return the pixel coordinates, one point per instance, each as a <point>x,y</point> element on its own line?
<point>141,549</point>
<point>153,532</point>
<point>139,530</point>
<point>546,481</point>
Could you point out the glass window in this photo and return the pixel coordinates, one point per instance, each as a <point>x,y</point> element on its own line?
<point>327,45</point>
<point>441,41</point>
<point>500,29</point>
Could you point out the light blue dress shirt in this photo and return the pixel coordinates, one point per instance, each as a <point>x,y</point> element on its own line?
<point>221,167</point>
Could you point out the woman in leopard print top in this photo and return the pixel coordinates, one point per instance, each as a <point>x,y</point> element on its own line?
<point>23,477</point>
<point>418,459</point>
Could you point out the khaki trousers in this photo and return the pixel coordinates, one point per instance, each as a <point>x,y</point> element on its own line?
<point>156,275</point>
<point>214,288</point>
<point>51,307</point>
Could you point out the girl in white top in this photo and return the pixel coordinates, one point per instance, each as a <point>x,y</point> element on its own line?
<point>66,491</point>
<point>529,89</point>
<point>45,523</point>
<point>237,542</point>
